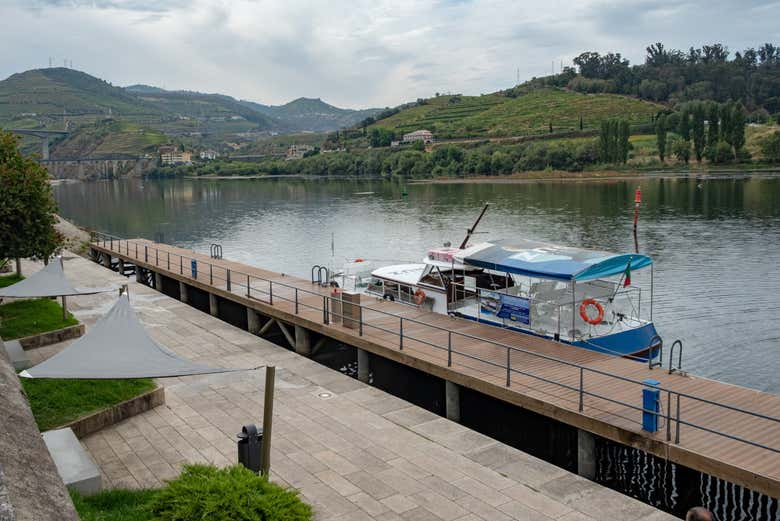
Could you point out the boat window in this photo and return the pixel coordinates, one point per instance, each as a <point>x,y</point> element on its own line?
<point>432,277</point>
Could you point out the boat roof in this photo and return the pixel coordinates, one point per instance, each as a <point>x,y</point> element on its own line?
<point>550,261</point>
<point>403,273</point>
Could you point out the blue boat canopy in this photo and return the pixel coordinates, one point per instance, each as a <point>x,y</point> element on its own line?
<point>550,261</point>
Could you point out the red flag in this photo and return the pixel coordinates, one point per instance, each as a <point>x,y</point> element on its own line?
<point>627,275</point>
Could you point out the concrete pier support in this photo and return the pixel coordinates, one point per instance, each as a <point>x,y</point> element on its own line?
<point>183,293</point>
<point>586,454</point>
<point>252,321</point>
<point>363,369</point>
<point>302,341</point>
<point>121,266</point>
<point>157,281</point>
<point>452,401</point>
<point>107,260</point>
<point>213,305</point>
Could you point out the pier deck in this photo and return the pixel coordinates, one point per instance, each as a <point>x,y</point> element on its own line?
<point>724,430</point>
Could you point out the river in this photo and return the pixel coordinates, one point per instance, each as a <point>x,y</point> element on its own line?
<point>715,238</point>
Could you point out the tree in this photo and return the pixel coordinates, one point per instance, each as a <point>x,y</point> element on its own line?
<point>725,122</point>
<point>660,134</point>
<point>698,131</point>
<point>682,149</point>
<point>713,132</point>
<point>684,126</point>
<point>738,128</point>
<point>770,147</point>
<point>580,123</point>
<point>26,206</point>
<point>625,133</point>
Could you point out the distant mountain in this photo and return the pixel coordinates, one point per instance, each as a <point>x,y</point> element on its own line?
<point>140,88</point>
<point>313,114</point>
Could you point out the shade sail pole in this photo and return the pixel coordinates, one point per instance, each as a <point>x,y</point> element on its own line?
<point>64,307</point>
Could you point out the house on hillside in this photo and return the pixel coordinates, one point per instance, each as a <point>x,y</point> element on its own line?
<point>426,136</point>
<point>208,155</point>
<point>171,155</point>
<point>297,151</point>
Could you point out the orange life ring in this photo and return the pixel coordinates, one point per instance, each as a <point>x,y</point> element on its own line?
<point>360,260</point>
<point>419,296</point>
<point>336,291</point>
<point>584,311</point>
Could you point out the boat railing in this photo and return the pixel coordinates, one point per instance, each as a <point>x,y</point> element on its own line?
<point>580,386</point>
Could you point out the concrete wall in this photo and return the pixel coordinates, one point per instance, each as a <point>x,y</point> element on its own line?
<point>30,487</point>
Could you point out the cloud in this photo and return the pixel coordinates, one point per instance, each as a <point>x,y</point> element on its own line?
<point>356,53</point>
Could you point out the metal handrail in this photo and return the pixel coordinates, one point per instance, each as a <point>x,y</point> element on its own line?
<point>677,342</point>
<point>582,392</point>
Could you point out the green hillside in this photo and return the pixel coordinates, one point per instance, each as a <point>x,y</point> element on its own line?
<point>500,116</point>
<point>314,115</point>
<point>109,137</point>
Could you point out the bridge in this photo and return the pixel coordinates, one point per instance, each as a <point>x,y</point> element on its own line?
<point>43,135</point>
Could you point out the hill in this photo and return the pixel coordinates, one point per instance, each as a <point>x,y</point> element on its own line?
<point>314,115</point>
<point>496,115</point>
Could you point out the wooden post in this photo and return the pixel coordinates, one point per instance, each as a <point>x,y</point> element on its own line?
<point>268,413</point>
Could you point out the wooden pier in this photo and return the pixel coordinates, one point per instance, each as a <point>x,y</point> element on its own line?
<point>720,429</point>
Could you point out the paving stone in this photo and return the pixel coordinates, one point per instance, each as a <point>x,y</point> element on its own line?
<point>399,503</point>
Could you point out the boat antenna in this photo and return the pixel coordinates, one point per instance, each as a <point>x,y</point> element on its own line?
<point>470,231</point>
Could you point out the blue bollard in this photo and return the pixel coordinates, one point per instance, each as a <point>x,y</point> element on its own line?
<point>651,405</point>
<point>194,265</point>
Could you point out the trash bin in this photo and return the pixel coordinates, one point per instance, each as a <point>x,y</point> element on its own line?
<point>250,443</point>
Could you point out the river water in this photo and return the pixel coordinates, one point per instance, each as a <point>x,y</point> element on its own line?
<point>715,239</point>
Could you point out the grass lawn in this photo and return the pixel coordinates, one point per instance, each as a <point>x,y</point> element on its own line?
<point>55,402</point>
<point>29,317</point>
<point>9,280</point>
<point>114,505</point>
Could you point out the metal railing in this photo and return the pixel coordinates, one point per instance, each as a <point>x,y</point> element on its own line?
<point>269,291</point>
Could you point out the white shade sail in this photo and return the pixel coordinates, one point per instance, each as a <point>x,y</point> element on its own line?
<point>117,346</point>
<point>50,281</point>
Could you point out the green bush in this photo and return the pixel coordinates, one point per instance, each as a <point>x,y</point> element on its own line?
<point>770,147</point>
<point>229,494</point>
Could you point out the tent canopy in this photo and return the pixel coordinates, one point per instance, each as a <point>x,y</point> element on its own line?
<point>47,282</point>
<point>550,261</point>
<point>117,346</point>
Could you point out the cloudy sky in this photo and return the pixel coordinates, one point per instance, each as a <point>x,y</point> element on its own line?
<point>356,53</point>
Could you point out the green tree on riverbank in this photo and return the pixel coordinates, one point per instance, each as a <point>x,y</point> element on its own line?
<point>660,134</point>
<point>26,206</point>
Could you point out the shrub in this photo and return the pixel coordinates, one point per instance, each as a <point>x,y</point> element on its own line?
<point>770,147</point>
<point>230,494</point>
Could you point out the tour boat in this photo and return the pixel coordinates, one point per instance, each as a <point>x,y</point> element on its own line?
<point>580,297</point>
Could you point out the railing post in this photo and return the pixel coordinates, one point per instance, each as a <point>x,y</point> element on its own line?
<point>668,415</point>
<point>248,287</point>
<point>169,261</point>
<point>508,367</point>
<point>271,292</point>
<point>449,348</point>
<point>582,389</point>
<point>156,257</point>
<point>227,278</point>
<point>136,250</point>
<point>181,265</point>
<point>111,243</point>
<point>677,428</point>
<point>296,301</point>
<point>401,334</point>
<point>324,309</point>
<point>211,274</point>
<point>360,320</point>
<point>146,253</point>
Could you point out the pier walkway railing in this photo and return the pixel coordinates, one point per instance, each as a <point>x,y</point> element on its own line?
<point>580,384</point>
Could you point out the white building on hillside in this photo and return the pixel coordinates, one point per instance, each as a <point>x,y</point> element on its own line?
<point>426,136</point>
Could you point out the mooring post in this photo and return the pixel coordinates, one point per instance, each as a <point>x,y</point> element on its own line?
<point>452,400</point>
<point>586,454</point>
<point>362,361</point>
<point>268,415</point>
<point>213,305</point>
<point>302,341</point>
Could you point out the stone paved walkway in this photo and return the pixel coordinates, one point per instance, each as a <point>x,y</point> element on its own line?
<point>354,452</point>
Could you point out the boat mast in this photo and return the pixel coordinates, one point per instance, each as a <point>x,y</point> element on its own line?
<point>470,231</point>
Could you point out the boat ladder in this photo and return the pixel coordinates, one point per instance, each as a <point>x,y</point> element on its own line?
<point>677,343</point>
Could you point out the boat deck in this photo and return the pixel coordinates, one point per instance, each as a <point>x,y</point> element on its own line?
<point>721,429</point>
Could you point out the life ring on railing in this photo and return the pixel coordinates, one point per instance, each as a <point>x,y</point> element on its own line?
<point>335,291</point>
<point>419,296</point>
<point>584,311</point>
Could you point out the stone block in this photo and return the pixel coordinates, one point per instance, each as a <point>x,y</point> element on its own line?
<point>16,353</point>
<point>74,464</point>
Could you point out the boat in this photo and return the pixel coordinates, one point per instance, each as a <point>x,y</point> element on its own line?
<point>584,298</point>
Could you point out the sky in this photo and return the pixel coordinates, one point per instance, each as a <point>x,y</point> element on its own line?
<point>356,53</point>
